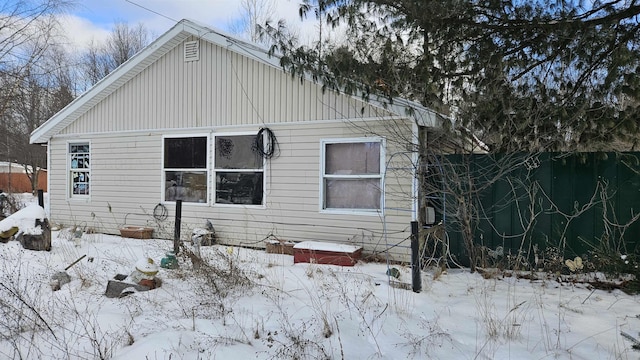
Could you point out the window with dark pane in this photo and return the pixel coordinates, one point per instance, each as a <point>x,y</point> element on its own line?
<point>185,169</point>
<point>239,171</point>
<point>185,153</point>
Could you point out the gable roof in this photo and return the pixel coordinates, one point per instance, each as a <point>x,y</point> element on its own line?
<point>166,42</point>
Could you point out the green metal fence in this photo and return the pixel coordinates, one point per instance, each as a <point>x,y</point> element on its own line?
<point>576,202</point>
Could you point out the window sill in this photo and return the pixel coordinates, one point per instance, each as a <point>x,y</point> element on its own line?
<point>239,206</point>
<point>185,203</point>
<point>356,212</point>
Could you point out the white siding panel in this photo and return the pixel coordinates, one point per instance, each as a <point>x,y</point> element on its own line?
<point>126,179</point>
<point>223,88</point>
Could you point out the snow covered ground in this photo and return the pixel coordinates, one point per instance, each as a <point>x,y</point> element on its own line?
<point>240,303</point>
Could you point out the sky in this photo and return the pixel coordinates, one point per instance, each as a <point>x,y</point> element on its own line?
<point>93,19</point>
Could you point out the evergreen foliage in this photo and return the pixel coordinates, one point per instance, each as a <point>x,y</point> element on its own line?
<point>547,75</point>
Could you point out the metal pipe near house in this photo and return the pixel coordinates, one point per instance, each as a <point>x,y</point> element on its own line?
<point>415,258</point>
<point>176,232</point>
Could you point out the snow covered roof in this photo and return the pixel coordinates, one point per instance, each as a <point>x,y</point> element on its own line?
<point>162,45</point>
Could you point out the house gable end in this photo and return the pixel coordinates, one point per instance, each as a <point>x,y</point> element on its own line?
<point>247,71</point>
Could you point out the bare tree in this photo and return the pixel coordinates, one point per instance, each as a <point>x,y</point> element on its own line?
<point>253,14</point>
<point>123,42</point>
<point>94,64</point>
<point>44,89</point>
<point>28,31</point>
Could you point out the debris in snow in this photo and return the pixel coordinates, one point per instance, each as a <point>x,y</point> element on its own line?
<point>575,264</point>
<point>169,261</point>
<point>58,279</point>
<point>203,237</point>
<point>636,343</point>
<point>24,220</point>
<point>30,226</point>
<point>143,278</point>
<point>6,235</point>
<point>145,273</point>
<point>117,288</point>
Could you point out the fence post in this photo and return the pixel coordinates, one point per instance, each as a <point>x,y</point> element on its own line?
<point>415,258</point>
<point>41,198</point>
<point>176,232</point>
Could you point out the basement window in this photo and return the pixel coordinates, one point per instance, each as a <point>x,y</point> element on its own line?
<point>79,169</point>
<point>185,169</point>
<point>352,175</point>
<point>239,170</point>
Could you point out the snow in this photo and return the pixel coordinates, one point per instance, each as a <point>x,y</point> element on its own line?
<point>242,303</point>
<point>25,220</point>
<point>325,246</point>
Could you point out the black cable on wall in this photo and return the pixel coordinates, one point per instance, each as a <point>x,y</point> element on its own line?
<point>269,149</point>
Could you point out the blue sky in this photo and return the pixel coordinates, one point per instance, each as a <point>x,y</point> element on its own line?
<point>93,19</point>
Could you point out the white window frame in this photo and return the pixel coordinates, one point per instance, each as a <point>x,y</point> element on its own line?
<point>70,171</point>
<point>164,170</point>
<point>323,176</point>
<point>215,170</point>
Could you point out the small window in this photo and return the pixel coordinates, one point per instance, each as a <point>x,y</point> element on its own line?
<point>239,170</point>
<point>79,169</point>
<point>185,169</point>
<point>352,175</point>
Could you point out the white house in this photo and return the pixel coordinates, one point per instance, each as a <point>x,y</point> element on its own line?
<point>180,120</point>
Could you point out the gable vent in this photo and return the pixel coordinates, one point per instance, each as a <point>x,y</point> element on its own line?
<point>191,51</point>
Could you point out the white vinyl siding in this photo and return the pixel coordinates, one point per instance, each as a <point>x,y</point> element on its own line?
<point>223,88</point>
<point>127,179</point>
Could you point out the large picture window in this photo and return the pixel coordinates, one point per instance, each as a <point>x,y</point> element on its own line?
<point>79,169</point>
<point>352,174</point>
<point>239,170</point>
<point>185,169</point>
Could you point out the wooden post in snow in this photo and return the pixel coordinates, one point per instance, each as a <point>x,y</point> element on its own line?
<point>41,198</point>
<point>415,258</point>
<point>176,232</point>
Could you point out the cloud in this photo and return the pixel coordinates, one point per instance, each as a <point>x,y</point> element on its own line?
<point>79,32</point>
<point>94,19</point>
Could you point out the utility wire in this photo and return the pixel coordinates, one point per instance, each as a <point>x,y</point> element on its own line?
<point>153,11</point>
